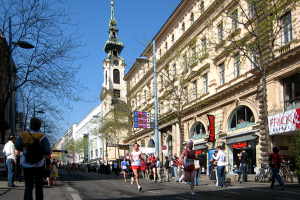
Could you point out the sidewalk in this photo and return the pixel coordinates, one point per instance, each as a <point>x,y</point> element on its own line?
<point>59,192</point>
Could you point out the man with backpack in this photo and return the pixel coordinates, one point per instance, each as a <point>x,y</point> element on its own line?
<point>35,147</point>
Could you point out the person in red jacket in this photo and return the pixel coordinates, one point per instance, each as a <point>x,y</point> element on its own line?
<point>275,164</point>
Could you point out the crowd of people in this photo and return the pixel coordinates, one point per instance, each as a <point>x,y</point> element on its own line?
<point>33,150</point>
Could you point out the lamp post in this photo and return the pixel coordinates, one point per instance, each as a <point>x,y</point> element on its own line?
<point>155,97</point>
<point>12,106</point>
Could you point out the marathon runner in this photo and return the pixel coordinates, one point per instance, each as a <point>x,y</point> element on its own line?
<point>136,156</point>
<point>188,156</point>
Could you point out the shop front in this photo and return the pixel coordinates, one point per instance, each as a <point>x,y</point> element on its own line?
<point>201,154</point>
<point>236,144</point>
<point>283,128</point>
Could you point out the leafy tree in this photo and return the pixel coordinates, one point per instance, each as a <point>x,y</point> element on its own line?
<point>256,33</point>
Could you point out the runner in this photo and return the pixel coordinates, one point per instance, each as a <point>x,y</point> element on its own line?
<point>136,164</point>
<point>124,166</point>
<point>188,156</point>
<point>153,167</point>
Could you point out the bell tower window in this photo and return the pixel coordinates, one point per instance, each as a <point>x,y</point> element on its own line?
<point>116,75</point>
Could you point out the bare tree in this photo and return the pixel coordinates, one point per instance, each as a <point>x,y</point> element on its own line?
<point>48,66</point>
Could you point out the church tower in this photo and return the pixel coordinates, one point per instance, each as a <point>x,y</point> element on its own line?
<point>114,86</point>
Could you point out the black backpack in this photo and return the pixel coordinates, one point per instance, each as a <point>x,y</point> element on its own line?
<point>34,152</point>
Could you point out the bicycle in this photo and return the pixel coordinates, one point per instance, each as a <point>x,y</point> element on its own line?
<point>263,174</point>
<point>285,172</point>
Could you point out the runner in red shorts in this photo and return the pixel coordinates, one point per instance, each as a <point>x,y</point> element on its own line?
<point>136,156</point>
<point>188,156</point>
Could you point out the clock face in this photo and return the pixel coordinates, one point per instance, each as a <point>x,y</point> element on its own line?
<point>116,62</point>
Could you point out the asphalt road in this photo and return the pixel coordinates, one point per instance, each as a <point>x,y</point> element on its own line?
<point>94,187</point>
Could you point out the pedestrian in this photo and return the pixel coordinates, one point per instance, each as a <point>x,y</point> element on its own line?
<point>54,172</point>
<point>153,167</point>
<point>10,154</point>
<point>188,156</point>
<point>136,156</point>
<point>35,146</point>
<point>221,163</point>
<point>197,172</point>
<point>243,159</point>
<point>275,164</point>
<point>158,169</point>
<point>143,168</point>
<point>167,169</point>
<point>124,166</point>
<point>175,167</point>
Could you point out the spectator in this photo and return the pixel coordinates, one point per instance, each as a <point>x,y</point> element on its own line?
<point>275,164</point>
<point>221,163</point>
<point>10,153</point>
<point>35,146</point>
<point>167,169</point>
<point>243,158</point>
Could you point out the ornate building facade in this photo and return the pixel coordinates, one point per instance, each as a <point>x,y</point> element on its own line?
<point>218,87</point>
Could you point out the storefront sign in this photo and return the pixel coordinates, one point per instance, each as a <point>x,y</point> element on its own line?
<point>198,152</point>
<point>211,128</point>
<point>284,122</point>
<point>239,145</point>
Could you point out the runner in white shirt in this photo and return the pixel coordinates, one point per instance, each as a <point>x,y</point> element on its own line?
<point>135,157</point>
<point>10,153</point>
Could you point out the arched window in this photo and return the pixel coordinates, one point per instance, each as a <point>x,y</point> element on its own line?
<point>116,74</point>
<point>198,131</point>
<point>151,143</point>
<point>170,145</point>
<point>241,117</point>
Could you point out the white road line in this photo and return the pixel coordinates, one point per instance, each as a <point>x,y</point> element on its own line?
<point>70,189</point>
<point>75,196</point>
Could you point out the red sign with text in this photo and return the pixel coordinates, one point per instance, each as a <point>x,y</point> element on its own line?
<point>211,128</point>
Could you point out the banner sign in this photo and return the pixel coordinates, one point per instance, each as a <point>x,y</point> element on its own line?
<point>143,120</point>
<point>284,122</point>
<point>211,128</point>
<point>239,145</point>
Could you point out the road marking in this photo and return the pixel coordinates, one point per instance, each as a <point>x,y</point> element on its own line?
<point>70,189</point>
<point>75,196</point>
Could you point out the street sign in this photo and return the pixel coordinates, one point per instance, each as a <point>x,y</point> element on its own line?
<point>142,120</point>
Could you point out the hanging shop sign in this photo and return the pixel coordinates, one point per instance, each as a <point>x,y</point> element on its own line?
<point>284,122</point>
<point>143,120</point>
<point>211,128</point>
<point>239,145</point>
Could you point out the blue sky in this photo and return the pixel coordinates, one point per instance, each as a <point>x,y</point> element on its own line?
<point>138,22</point>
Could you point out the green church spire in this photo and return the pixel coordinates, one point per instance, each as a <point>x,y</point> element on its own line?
<point>113,46</point>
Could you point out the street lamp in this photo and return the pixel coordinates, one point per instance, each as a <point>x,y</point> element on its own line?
<point>24,45</point>
<point>155,98</point>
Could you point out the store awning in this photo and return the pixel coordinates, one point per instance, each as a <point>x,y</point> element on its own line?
<point>241,137</point>
<point>200,146</point>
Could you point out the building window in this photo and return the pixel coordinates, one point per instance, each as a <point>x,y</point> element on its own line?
<point>201,7</point>
<point>204,46</point>
<point>195,90</point>
<point>186,92</point>
<point>105,77</point>
<point>166,45</point>
<point>241,117</point>
<point>222,73</point>
<point>145,95</point>
<point>254,59</point>
<point>170,145</point>
<point>237,65</point>
<point>161,81</point>
<point>97,153</point>
<point>194,53</point>
<point>287,30</point>
<point>159,52</point>
<point>220,32</point>
<point>198,131</point>
<point>172,38</point>
<point>205,83</point>
<point>174,69</point>
<point>116,74</point>
<point>183,26</point>
<point>252,9</point>
<point>234,20</point>
<point>143,143</point>
<point>192,18</point>
<point>117,93</point>
<point>292,91</point>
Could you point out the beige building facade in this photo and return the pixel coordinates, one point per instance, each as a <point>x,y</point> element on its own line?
<point>191,45</point>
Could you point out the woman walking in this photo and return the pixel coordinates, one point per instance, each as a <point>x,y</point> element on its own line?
<point>136,156</point>
<point>188,156</point>
<point>221,163</point>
